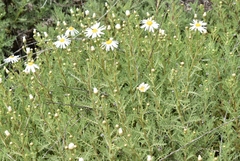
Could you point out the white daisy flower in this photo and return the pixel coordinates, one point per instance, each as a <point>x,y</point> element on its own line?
<point>198,25</point>
<point>62,42</point>
<point>71,31</point>
<point>143,87</point>
<point>149,25</point>
<point>110,44</point>
<point>12,59</point>
<point>30,67</point>
<point>95,31</point>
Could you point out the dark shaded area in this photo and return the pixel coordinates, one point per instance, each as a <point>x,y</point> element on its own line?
<point>24,17</point>
<point>206,3</point>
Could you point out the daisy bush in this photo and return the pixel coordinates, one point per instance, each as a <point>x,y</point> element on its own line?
<point>126,80</point>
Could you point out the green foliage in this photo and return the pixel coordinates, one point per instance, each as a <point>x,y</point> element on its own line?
<point>86,96</point>
<point>5,39</point>
<point>18,18</point>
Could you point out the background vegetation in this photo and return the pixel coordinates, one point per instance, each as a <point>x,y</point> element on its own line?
<point>190,112</point>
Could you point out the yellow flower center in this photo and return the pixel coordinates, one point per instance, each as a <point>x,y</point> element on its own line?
<point>94,30</point>
<point>30,63</point>
<point>109,42</point>
<point>198,25</point>
<point>149,23</point>
<point>71,28</point>
<point>11,56</point>
<point>142,88</point>
<point>62,40</point>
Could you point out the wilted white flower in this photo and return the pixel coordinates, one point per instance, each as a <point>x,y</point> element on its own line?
<point>24,39</point>
<point>120,131</point>
<point>71,146</point>
<point>80,159</point>
<point>12,59</point>
<point>92,48</point>
<point>148,14</point>
<point>149,158</point>
<point>38,34</point>
<point>198,25</point>
<point>143,87</point>
<point>110,44</point>
<point>28,50</point>
<point>9,108</point>
<point>45,34</point>
<point>199,158</point>
<point>95,90</point>
<point>86,12</point>
<point>94,15</point>
<point>162,32</point>
<point>149,25</point>
<point>95,30</point>
<point>195,15</point>
<point>62,42</point>
<point>71,31</point>
<point>113,15</point>
<point>204,14</point>
<point>108,27</point>
<point>106,4</point>
<point>30,67</point>
<point>7,133</point>
<point>30,96</point>
<point>127,13</point>
<point>118,26</point>
<point>58,23</point>
<point>6,70</point>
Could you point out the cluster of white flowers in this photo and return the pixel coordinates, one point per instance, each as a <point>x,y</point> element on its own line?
<point>96,31</point>
<point>150,25</point>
